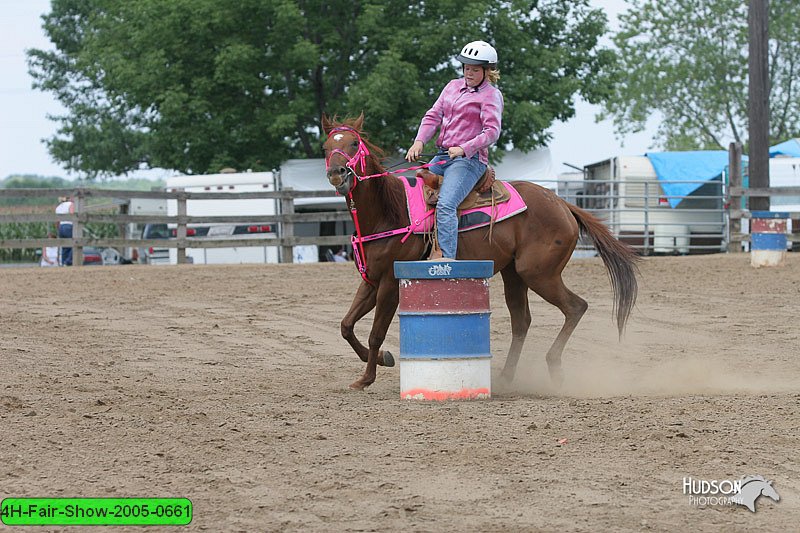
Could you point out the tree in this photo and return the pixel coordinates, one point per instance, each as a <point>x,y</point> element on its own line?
<point>686,61</point>
<point>33,181</point>
<point>195,85</point>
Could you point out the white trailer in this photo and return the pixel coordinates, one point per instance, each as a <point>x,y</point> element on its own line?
<point>629,196</point>
<point>228,183</point>
<point>785,172</point>
<point>309,175</point>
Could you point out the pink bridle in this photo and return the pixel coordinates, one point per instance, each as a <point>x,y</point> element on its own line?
<point>359,159</point>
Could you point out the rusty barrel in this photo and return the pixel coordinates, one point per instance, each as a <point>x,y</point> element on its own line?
<point>768,238</point>
<point>444,329</point>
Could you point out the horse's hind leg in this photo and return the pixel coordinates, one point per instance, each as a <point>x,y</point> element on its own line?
<point>363,303</point>
<point>516,292</point>
<point>553,290</point>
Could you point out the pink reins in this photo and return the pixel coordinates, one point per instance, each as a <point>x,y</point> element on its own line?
<point>359,159</point>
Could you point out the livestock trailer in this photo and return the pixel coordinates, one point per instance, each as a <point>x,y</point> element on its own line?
<point>626,192</point>
<point>243,229</point>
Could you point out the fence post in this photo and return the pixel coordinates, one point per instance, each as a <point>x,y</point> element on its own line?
<point>181,232</point>
<point>122,227</point>
<point>646,242</point>
<point>734,201</point>
<point>77,229</point>
<point>758,89</point>
<point>287,227</point>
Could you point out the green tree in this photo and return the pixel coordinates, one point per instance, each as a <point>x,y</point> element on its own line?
<point>687,61</point>
<point>33,181</point>
<point>195,85</point>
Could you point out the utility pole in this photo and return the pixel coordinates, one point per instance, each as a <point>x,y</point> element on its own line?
<point>758,109</point>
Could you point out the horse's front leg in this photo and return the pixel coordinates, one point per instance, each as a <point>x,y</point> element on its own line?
<point>363,303</point>
<point>387,299</point>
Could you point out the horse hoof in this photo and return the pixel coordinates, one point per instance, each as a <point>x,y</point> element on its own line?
<point>357,386</point>
<point>388,358</point>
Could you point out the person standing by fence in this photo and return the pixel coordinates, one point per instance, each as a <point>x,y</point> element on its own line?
<point>65,206</point>
<point>49,254</point>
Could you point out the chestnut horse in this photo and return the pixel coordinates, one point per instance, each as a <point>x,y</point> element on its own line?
<point>530,250</point>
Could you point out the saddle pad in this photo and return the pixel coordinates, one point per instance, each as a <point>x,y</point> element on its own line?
<point>467,219</point>
<point>497,194</point>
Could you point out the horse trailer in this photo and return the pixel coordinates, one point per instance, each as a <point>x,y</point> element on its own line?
<point>233,182</point>
<point>310,175</point>
<point>626,193</point>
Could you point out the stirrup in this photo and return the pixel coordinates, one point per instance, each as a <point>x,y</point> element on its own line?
<point>435,255</point>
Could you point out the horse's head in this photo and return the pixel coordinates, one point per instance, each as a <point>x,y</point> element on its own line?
<point>769,491</point>
<point>752,488</point>
<point>345,153</point>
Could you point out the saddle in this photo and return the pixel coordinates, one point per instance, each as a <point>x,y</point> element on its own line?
<point>487,191</point>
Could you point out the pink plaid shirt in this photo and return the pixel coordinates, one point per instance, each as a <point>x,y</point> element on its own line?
<point>469,118</point>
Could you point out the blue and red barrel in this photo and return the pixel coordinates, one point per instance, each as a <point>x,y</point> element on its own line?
<point>768,240</point>
<point>444,329</point>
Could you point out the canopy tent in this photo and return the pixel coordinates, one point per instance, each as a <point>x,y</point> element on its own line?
<point>536,166</point>
<point>790,148</point>
<point>682,173</point>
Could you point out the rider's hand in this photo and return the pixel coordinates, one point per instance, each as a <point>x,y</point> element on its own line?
<point>414,152</point>
<point>455,151</point>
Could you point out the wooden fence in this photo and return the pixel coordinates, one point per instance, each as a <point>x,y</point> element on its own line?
<point>736,193</point>
<point>736,237</point>
<point>286,239</point>
<point>285,220</point>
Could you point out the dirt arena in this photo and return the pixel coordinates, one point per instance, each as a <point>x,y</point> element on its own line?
<point>228,386</point>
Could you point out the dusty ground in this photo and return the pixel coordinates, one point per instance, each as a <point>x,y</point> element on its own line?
<point>228,385</point>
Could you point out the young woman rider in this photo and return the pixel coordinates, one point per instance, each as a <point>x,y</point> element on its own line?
<point>468,114</point>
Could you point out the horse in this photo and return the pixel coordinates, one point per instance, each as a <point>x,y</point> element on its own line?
<point>529,250</point>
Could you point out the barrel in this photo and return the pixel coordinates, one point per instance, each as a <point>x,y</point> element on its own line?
<point>444,329</point>
<point>768,238</point>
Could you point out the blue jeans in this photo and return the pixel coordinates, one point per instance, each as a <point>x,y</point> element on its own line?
<point>460,176</point>
<point>65,232</point>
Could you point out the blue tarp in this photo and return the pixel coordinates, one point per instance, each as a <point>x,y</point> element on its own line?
<point>694,168</point>
<point>789,148</point>
<point>701,166</point>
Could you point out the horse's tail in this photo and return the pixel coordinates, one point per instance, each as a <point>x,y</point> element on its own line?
<point>620,260</point>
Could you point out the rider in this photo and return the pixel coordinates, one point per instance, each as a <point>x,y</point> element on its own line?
<point>468,113</point>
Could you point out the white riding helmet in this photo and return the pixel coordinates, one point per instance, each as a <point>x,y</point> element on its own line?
<point>478,53</point>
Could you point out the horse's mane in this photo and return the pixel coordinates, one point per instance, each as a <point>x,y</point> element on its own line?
<point>390,191</point>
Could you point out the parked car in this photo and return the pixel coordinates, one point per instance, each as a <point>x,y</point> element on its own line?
<point>152,255</point>
<point>92,256</point>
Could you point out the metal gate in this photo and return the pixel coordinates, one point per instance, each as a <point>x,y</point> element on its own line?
<point>639,213</point>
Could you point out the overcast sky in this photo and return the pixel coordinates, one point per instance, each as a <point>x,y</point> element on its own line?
<point>24,122</point>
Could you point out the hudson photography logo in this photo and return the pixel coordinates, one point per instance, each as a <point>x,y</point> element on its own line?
<point>744,491</point>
